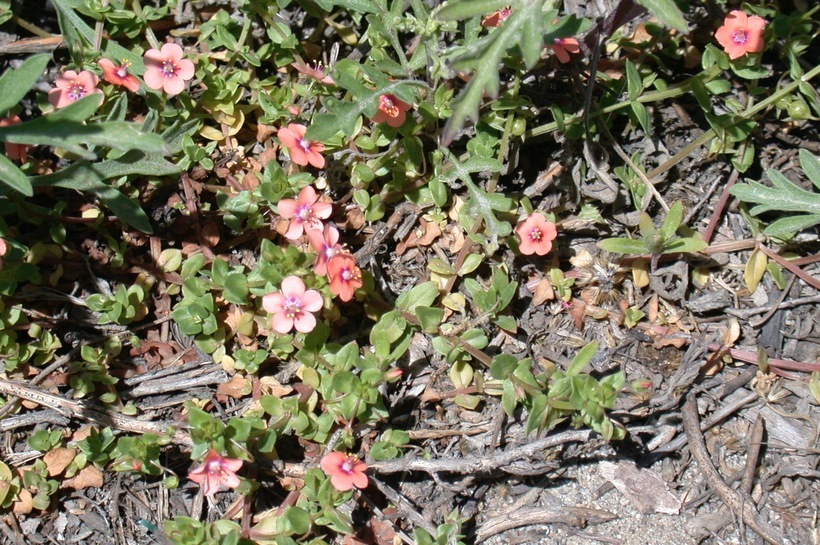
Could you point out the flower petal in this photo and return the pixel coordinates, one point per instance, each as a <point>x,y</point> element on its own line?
<point>272,302</point>
<point>174,85</point>
<point>292,286</point>
<point>185,69</point>
<point>312,301</point>
<point>305,323</point>
<point>172,52</point>
<point>154,78</point>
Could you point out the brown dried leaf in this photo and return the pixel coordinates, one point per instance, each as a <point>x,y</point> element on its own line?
<point>543,292</point>
<point>57,460</point>
<point>237,388</point>
<point>24,504</point>
<point>88,477</point>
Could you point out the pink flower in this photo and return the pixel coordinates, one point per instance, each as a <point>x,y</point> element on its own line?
<point>563,47</point>
<point>345,277</point>
<point>391,110</point>
<point>118,75</point>
<point>301,151</point>
<point>536,234</point>
<point>741,34</point>
<point>214,472</point>
<point>304,212</point>
<point>326,244</point>
<point>292,306</point>
<point>15,152</point>
<point>3,249</point>
<point>167,70</point>
<point>494,19</point>
<point>71,86</point>
<point>345,471</point>
<point>316,72</point>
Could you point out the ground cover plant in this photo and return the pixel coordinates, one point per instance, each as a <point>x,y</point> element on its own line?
<point>356,271</point>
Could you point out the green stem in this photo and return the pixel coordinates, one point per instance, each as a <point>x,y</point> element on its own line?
<point>673,91</point>
<point>149,34</point>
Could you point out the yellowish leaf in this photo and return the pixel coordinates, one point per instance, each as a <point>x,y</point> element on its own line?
<point>640,273</point>
<point>755,269</point>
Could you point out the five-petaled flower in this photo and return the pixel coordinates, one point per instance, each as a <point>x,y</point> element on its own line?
<point>494,19</point>
<point>292,307</point>
<point>316,71</point>
<point>166,69</point>
<point>391,110</point>
<point>741,34</point>
<point>563,47</point>
<point>71,86</point>
<point>345,277</point>
<point>536,235</point>
<point>214,472</point>
<point>302,151</point>
<point>118,75</point>
<point>15,152</point>
<point>345,471</point>
<point>304,212</point>
<point>326,244</point>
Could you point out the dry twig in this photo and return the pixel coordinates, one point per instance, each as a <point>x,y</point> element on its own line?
<point>737,501</point>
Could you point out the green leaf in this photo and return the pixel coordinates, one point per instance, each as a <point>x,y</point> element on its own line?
<point>16,83</point>
<point>672,221</point>
<point>422,295</point>
<point>624,246</point>
<point>86,177</point>
<point>13,177</point>
<point>110,49</point>
<point>582,358</point>
<point>786,228</point>
<point>483,56</point>
<point>811,166</point>
<point>667,13</point>
<point>684,245</point>
<point>64,129</point>
<point>634,83</point>
<point>457,10</point>
<point>701,94</point>
<point>352,6</point>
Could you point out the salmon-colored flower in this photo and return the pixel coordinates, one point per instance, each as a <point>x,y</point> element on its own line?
<point>302,151</point>
<point>305,212</point>
<point>563,47</point>
<point>292,307</point>
<point>536,235</point>
<point>345,277</point>
<point>326,244</point>
<point>118,75</point>
<point>741,34</point>
<point>71,86</point>
<point>15,152</point>
<point>166,69</point>
<point>345,471</point>
<point>214,472</point>
<point>316,71</point>
<point>391,110</point>
<point>494,19</point>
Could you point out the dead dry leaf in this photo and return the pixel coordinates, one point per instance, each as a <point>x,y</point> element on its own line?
<point>88,477</point>
<point>57,460</point>
<point>642,487</point>
<point>237,388</point>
